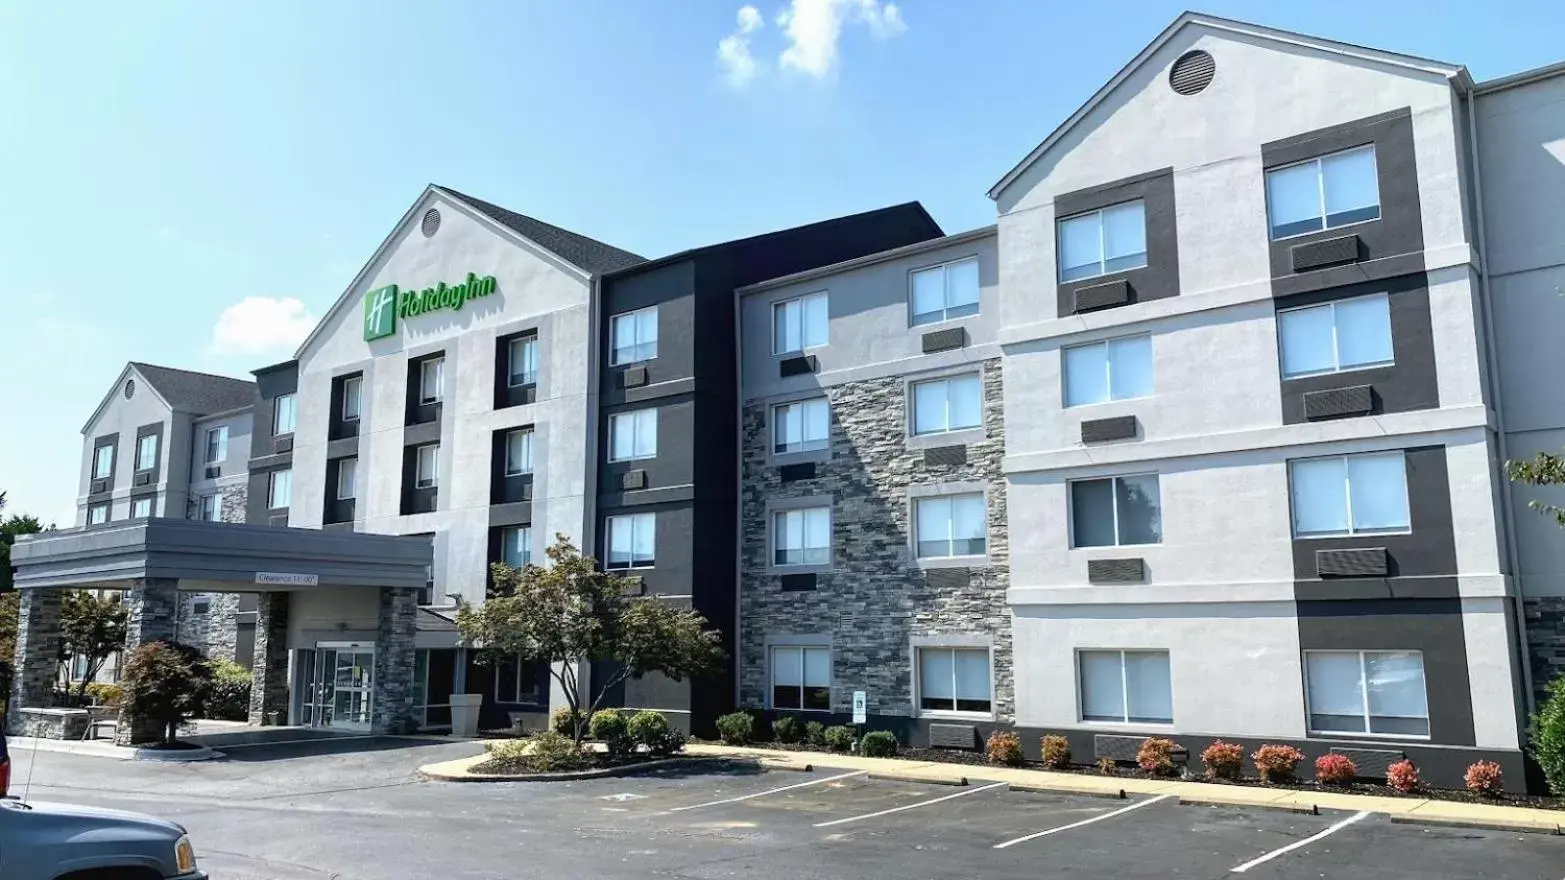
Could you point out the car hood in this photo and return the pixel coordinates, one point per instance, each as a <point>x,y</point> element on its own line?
<point>101,814</point>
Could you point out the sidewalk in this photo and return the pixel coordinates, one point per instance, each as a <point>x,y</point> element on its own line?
<point>1412,809</point>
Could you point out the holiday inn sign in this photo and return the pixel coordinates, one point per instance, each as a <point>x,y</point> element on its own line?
<point>384,305</point>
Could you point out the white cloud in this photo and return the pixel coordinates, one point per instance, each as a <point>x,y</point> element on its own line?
<point>814,29</point>
<point>733,51</point>
<point>258,324</point>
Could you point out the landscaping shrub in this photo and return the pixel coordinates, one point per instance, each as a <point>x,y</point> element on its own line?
<point>1485,778</point>
<point>879,744</point>
<point>609,727</point>
<point>1004,748</point>
<point>1548,736</point>
<point>1403,776</point>
<point>230,696</point>
<point>1223,760</point>
<point>507,749</point>
<point>1056,752</point>
<point>166,684</point>
<point>839,738</point>
<point>815,733</point>
<point>1334,769</point>
<point>1106,766</point>
<point>554,753</point>
<point>563,722</point>
<point>1277,763</point>
<point>106,694</point>
<point>1156,755</point>
<point>736,728</point>
<point>787,729</point>
<point>650,729</point>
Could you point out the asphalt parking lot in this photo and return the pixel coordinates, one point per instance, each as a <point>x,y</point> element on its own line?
<point>286,812</point>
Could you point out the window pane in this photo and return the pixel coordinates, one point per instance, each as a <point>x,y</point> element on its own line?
<point>347,478</point>
<point>619,541</point>
<point>1364,332</point>
<point>972,675</point>
<point>351,390</point>
<point>817,424</point>
<point>1320,496</point>
<point>518,452</point>
<point>936,675</point>
<point>1352,191</point>
<point>1080,242</point>
<point>787,427</point>
<point>962,288</point>
<point>817,667</point>
<point>645,537</point>
<point>1124,237</point>
<point>1086,374</point>
<point>933,522</point>
<point>970,527</point>
<point>513,547</point>
<point>787,667</point>
<point>1150,695</point>
<point>785,326</point>
<point>1336,693</point>
<point>1130,367</point>
<point>816,321</point>
<point>817,536</point>
<point>624,332</point>
<point>929,295</point>
<point>1307,341</point>
<point>929,407</point>
<point>1092,513</point>
<point>1140,510</point>
<point>1378,487</point>
<point>1102,689</point>
<point>646,423</point>
<point>1293,198</point>
<point>965,397</point>
<point>1395,682</point>
<point>281,489</point>
<point>647,333</point>
<point>284,415</point>
<point>146,452</point>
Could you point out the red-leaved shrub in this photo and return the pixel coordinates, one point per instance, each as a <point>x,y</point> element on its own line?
<point>1223,760</point>
<point>1004,748</point>
<point>1156,755</point>
<point>1277,763</point>
<point>1403,776</point>
<point>1334,769</point>
<point>1485,778</point>
<point>1056,752</point>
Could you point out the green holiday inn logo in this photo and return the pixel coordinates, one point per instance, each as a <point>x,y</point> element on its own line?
<point>384,305</point>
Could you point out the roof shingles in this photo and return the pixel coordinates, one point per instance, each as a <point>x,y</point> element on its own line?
<point>198,393</point>
<point>585,253</point>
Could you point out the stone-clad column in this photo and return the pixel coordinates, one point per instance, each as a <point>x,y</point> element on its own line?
<point>269,672</point>
<point>37,651</point>
<point>151,607</point>
<point>391,704</point>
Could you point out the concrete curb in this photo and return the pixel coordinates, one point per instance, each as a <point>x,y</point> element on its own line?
<point>1065,789</point>
<point>1218,801</point>
<point>768,764</point>
<point>443,772</point>
<point>1518,825</point>
<point>176,756</point>
<point>919,778</point>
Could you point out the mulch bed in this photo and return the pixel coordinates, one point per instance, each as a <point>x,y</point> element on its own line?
<point>596,761</point>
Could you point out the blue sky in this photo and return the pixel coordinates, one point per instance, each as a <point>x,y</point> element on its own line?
<point>168,161</point>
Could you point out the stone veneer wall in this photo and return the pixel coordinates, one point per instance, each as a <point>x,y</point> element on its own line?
<point>1545,639</point>
<point>877,600</point>
<point>232,507</point>
<point>214,633</point>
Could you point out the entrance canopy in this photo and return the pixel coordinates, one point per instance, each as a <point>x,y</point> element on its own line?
<point>219,557</point>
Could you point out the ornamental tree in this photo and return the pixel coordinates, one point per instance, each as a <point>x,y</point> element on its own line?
<point>93,627</point>
<point>166,683</point>
<point>570,613</point>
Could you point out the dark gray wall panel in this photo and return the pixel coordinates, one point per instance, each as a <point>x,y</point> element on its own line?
<point>1159,278</point>
<point>338,428</point>
<point>672,289</point>
<point>102,488</point>
<point>153,475</point>
<point>674,464</point>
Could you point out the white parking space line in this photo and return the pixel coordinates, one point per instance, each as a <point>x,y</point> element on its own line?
<point>1045,833</point>
<point>908,806</point>
<point>745,797</point>
<point>1295,845</point>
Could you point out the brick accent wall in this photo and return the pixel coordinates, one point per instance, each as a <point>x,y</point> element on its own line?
<point>877,600</point>
<point>391,709</point>
<point>1545,639</point>
<point>269,673</point>
<point>37,649</point>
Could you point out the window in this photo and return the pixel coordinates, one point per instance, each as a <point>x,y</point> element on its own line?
<point>635,337</point>
<point>1323,193</point>
<point>431,380</point>
<point>631,540</point>
<point>801,679</point>
<point>284,414</point>
<point>802,537</point>
<point>954,680</point>
<point>1116,511</point>
<point>519,452</point>
<point>516,546</point>
<point>279,489</point>
<point>517,681</point>
<point>1363,494</point>
<point>1115,369</point>
<point>1103,242</point>
<point>426,466</point>
<point>522,360</point>
<point>352,398</point>
<point>1348,335</point>
<point>201,603</point>
<point>141,508</point>
<point>97,515</point>
<point>941,293</point>
<point>952,526</point>
<point>103,462</point>
<point>1378,692</point>
<point>147,452</point>
<point>347,479</point>
<point>801,426</point>
<point>1125,687</point>
<point>633,435</point>
<point>798,324</point>
<point>216,444</point>
<point>207,511</point>
<point>953,404</point>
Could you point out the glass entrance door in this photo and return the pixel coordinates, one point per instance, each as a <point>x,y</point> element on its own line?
<point>343,687</point>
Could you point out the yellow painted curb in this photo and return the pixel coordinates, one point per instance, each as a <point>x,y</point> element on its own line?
<point>1528,826</point>
<point>919,778</point>
<point>1208,800</point>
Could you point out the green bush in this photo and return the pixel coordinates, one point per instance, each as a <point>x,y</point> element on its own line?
<point>815,733</point>
<point>106,694</point>
<point>1548,736</point>
<point>563,722</point>
<point>787,729</point>
<point>736,728</point>
<point>230,696</point>
<point>839,738</point>
<point>553,753</point>
<point>166,684</point>
<point>508,749</point>
<point>879,744</point>
<point>648,728</point>
<point>609,727</point>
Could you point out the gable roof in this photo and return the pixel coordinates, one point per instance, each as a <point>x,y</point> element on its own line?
<point>579,250</point>
<point>197,393</point>
<point>1455,72</point>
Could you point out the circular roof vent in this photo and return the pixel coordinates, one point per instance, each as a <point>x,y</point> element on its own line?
<point>130,388</point>
<point>1192,72</point>
<point>432,217</point>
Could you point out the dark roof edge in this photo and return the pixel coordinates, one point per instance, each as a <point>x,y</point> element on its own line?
<point>260,371</point>
<point>1521,78</point>
<point>906,250</point>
